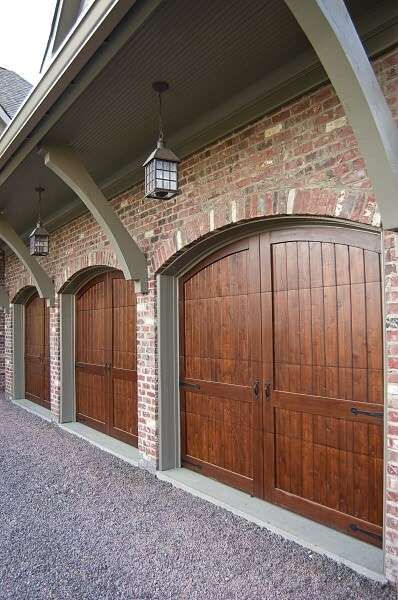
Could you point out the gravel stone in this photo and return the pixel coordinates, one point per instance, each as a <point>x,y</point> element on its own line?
<point>79,524</point>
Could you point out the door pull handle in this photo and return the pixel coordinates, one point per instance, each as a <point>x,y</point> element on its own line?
<point>267,391</point>
<point>256,388</point>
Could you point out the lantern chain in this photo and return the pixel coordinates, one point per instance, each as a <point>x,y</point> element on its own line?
<point>161,132</point>
<point>39,191</point>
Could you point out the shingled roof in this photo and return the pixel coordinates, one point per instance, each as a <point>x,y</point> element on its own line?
<point>13,91</point>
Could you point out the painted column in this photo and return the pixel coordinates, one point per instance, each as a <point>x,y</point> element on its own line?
<point>391,317</point>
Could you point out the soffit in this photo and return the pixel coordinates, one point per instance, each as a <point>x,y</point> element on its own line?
<point>210,53</point>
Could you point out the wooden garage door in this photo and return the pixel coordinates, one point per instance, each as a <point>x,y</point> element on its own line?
<point>304,431</point>
<point>37,351</point>
<point>106,374</point>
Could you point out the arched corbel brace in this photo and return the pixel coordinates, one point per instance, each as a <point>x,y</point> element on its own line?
<point>42,281</point>
<point>331,32</point>
<point>63,161</point>
<point>4,299</point>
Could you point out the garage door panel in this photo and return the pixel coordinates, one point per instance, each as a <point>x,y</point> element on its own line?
<point>124,324</point>
<point>90,336</point>
<point>124,335</point>
<point>37,371</point>
<point>330,475</point>
<point>308,330</point>
<point>93,297</point>
<point>375,340</point>
<point>218,431</point>
<point>33,378</point>
<point>363,438</point>
<point>221,356</point>
<point>106,376</point>
<point>217,346</point>
<point>328,429</point>
<point>124,405</point>
<point>91,390</point>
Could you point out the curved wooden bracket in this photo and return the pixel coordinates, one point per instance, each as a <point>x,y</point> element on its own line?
<point>42,281</point>
<point>331,32</point>
<point>63,161</point>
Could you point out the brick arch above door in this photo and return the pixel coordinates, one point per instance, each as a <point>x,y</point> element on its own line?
<point>340,205</point>
<point>23,294</point>
<point>100,259</point>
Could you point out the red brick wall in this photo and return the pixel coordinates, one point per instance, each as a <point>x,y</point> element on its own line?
<point>391,333</point>
<point>302,159</point>
<point>2,328</point>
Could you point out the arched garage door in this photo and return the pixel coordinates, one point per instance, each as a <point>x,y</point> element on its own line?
<point>281,365</point>
<point>106,373</point>
<point>37,351</point>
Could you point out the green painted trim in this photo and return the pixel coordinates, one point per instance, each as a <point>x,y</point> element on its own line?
<point>65,163</point>
<point>18,351</point>
<point>67,412</point>
<point>168,392</point>
<point>333,36</point>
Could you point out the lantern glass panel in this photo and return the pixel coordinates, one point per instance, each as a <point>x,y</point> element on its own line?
<point>38,245</point>
<point>161,178</point>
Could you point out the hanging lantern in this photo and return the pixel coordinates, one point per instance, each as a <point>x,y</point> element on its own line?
<point>38,239</point>
<point>161,167</point>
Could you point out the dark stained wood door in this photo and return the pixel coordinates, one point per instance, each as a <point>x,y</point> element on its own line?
<point>106,374</point>
<point>311,438</point>
<point>37,351</point>
<point>321,292</point>
<point>220,364</point>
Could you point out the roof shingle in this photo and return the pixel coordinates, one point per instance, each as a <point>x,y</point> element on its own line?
<point>13,91</point>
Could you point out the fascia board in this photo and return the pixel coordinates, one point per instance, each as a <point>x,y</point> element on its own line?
<point>79,47</point>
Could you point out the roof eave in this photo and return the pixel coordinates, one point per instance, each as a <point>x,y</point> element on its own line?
<point>82,44</point>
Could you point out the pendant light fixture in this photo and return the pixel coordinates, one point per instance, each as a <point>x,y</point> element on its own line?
<point>161,167</point>
<point>38,239</point>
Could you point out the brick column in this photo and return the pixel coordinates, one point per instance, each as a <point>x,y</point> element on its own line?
<point>8,353</point>
<point>55,358</point>
<point>146,378</point>
<point>391,316</point>
<point>2,329</point>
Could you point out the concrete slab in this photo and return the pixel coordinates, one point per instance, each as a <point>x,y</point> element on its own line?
<point>104,442</point>
<point>35,409</point>
<point>100,440</point>
<point>362,558</point>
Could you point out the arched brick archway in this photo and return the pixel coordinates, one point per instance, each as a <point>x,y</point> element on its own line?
<point>343,207</point>
<point>76,268</point>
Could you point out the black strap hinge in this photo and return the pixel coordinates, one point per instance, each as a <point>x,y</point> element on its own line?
<point>192,386</point>
<point>367,413</point>
<point>371,534</point>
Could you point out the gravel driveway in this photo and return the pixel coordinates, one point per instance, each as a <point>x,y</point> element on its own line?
<point>76,523</point>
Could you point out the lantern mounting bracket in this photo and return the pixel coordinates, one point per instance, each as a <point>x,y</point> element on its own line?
<point>160,86</point>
